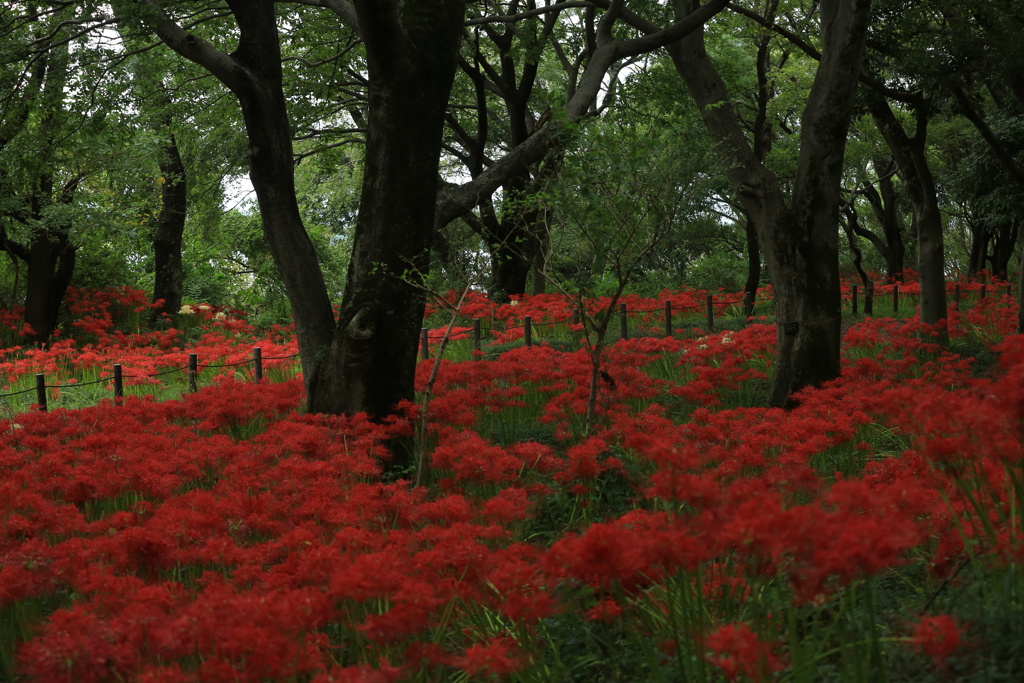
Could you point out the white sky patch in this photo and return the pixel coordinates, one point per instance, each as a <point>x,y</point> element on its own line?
<point>239,194</point>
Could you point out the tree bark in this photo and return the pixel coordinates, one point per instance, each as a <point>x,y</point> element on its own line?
<point>50,257</point>
<point>753,264</point>
<point>909,153</point>
<point>170,228</point>
<point>884,206</point>
<point>411,50</point>
<point>979,249</point>
<point>799,238</point>
<point>253,73</point>
<point>1003,244</point>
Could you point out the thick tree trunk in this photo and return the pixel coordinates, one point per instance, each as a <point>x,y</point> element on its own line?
<point>979,249</point>
<point>800,240</point>
<point>909,153</point>
<point>51,264</point>
<point>411,57</point>
<point>510,271</point>
<point>170,228</point>
<point>1002,247</point>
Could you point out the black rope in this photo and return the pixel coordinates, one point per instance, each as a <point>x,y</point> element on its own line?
<point>15,393</point>
<point>226,365</point>
<point>160,374</point>
<point>78,384</point>
<point>280,357</point>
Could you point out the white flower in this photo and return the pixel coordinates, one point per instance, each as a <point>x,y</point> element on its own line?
<point>514,302</point>
<point>186,310</point>
<point>220,316</point>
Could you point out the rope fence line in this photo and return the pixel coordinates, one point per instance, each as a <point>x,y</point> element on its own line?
<point>527,326</point>
<point>41,388</point>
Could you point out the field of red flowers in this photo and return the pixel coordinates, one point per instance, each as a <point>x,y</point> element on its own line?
<point>874,532</point>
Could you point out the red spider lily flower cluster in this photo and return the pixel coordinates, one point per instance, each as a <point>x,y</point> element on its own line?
<point>227,536</point>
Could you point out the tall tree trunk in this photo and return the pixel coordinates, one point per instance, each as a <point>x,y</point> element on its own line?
<point>411,50</point>
<point>753,263</point>
<point>1020,294</point>
<point>538,279</point>
<point>170,228</point>
<point>799,239</point>
<point>979,248</point>
<point>254,74</point>
<point>884,205</point>
<point>1003,244</point>
<point>909,153</point>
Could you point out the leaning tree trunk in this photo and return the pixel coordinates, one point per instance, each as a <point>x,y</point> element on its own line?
<point>909,153</point>
<point>254,74</point>
<point>411,58</point>
<point>170,228</point>
<point>884,205</point>
<point>800,239</point>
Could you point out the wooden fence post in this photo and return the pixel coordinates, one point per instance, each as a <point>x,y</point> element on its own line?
<point>424,345</point>
<point>193,371</point>
<point>527,331</point>
<point>895,299</point>
<point>623,322</point>
<point>41,392</point>
<point>476,334</point>
<point>668,318</point>
<point>118,382</point>
<point>711,314</point>
<point>854,299</point>
<point>257,363</point>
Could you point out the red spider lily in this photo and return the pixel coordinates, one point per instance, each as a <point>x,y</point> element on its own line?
<point>737,651</point>
<point>938,637</point>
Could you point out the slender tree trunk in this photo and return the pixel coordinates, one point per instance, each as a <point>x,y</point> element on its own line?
<point>538,282</point>
<point>271,171</point>
<point>884,205</point>
<point>800,240</point>
<point>254,74</point>
<point>170,228</point>
<point>411,58</point>
<point>909,153</point>
<point>753,261</point>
